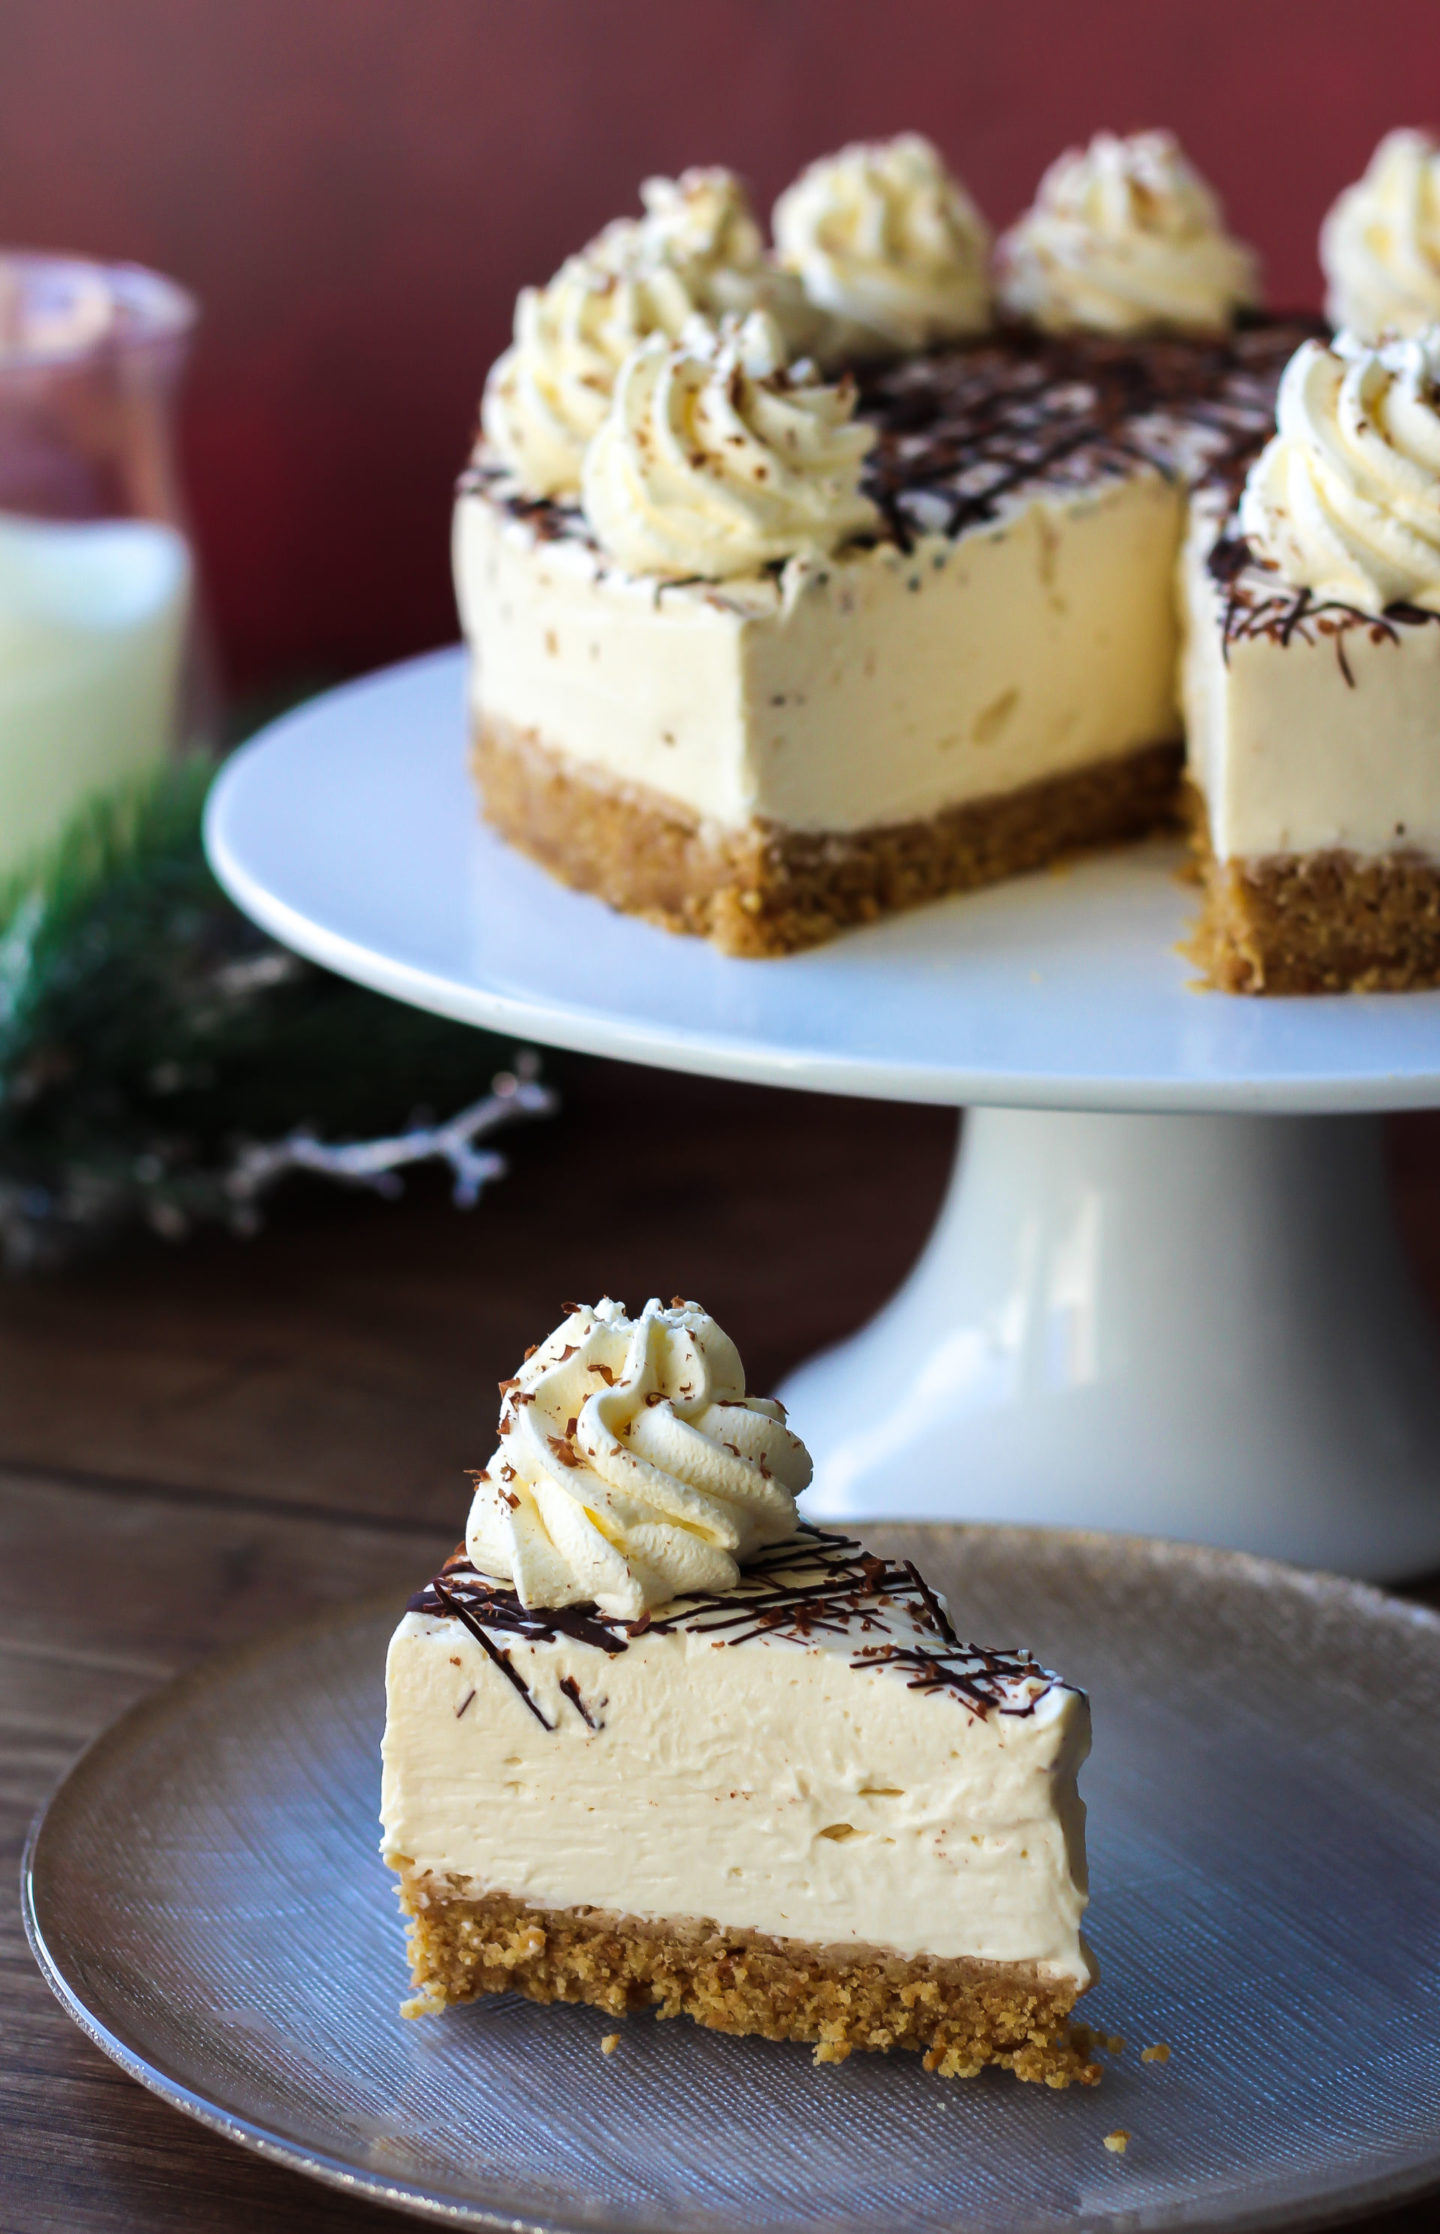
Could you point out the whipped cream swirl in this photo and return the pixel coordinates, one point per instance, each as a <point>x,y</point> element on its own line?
<point>1125,236</point>
<point>888,245</point>
<point>716,458</point>
<point>696,251</point>
<point>632,1465</point>
<point>703,224</point>
<point>1380,244</point>
<point>1345,498</point>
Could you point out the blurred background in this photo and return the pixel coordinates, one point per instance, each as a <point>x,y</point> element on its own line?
<point>356,188</point>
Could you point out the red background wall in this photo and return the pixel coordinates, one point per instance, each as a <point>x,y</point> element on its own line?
<point>356,188</point>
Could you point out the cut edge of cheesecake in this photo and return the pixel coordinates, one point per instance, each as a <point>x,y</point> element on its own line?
<point>763,890</point>
<point>959,2013</point>
<point>1287,697</point>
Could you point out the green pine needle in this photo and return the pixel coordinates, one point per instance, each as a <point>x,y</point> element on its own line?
<point>148,1030</point>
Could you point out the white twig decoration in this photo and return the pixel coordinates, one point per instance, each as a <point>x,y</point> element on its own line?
<point>377,1163</point>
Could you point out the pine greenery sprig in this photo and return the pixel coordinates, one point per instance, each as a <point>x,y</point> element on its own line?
<point>151,1035</point>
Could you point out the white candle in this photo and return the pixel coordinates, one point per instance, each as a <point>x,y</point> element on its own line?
<point>92,636</point>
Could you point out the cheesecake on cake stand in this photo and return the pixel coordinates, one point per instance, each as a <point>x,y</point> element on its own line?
<point>1165,1292</point>
<point>809,583</point>
<point>858,591</point>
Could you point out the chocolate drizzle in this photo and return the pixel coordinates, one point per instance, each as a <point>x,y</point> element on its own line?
<point>1258,604</point>
<point>817,1584</point>
<point>461,1591</point>
<point>963,433</point>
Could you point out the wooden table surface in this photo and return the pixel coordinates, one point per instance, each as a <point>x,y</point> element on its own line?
<point>197,1444</point>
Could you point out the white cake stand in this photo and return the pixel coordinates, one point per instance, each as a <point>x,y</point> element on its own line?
<point>1165,1293</point>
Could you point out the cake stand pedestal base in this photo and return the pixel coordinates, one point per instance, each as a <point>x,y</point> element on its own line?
<point>1189,1326</point>
<point>1193,1319</point>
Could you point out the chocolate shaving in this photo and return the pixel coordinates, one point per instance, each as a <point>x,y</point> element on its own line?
<point>1259,605</point>
<point>492,1651</point>
<point>844,1590</point>
<point>571,1690</point>
<point>501,1608</point>
<point>931,1603</point>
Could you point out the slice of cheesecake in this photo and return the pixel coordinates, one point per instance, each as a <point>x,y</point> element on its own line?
<point>790,1803</point>
<point>1312,686</point>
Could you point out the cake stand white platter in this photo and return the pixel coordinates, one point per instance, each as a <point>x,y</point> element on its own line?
<point>1165,1293</point>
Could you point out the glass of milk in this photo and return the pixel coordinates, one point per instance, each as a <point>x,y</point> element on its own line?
<point>98,675</point>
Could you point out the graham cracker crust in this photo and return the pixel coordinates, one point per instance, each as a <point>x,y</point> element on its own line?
<point>767,890</point>
<point>1331,922</point>
<point>959,2014</point>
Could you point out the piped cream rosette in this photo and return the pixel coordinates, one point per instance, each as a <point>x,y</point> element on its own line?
<point>1124,236</point>
<point>888,246</point>
<point>1380,244</point>
<point>632,1465</point>
<point>1345,498</point>
<point>717,458</point>
<point>697,250</point>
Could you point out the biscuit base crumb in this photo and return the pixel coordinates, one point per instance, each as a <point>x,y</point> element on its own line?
<point>765,889</point>
<point>958,2014</point>
<point>1330,922</point>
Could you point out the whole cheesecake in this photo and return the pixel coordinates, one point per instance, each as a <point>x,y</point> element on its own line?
<point>811,583</point>
<point>652,1742</point>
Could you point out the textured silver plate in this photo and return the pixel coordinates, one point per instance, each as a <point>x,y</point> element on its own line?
<point>204,1896</point>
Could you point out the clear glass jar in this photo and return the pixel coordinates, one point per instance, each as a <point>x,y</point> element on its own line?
<point>100,669</point>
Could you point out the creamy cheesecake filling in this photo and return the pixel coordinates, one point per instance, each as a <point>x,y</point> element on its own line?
<point>874,687</point>
<point>813,1755</point>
